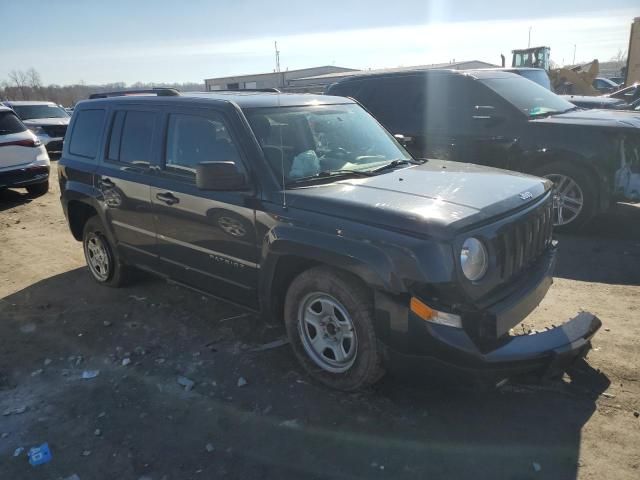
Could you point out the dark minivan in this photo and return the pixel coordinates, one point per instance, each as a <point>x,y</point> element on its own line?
<point>499,119</point>
<point>305,209</point>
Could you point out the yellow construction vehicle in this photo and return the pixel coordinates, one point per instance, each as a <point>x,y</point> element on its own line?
<point>571,81</point>
<point>534,57</point>
<point>576,80</point>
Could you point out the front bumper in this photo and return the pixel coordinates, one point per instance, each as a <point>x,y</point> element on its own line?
<point>484,347</point>
<point>545,354</point>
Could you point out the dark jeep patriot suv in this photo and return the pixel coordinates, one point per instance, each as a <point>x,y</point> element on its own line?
<point>500,119</point>
<point>306,209</point>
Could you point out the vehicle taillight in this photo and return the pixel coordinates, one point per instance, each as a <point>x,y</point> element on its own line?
<point>28,142</point>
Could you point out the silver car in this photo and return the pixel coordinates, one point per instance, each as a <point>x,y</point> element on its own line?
<point>46,119</point>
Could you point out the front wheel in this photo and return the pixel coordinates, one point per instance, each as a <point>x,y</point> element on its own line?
<point>329,321</point>
<point>574,195</point>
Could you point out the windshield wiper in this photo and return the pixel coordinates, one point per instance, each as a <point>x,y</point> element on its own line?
<point>331,174</point>
<point>397,163</point>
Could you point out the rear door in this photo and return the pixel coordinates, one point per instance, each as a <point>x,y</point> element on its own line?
<point>206,239</point>
<point>124,178</point>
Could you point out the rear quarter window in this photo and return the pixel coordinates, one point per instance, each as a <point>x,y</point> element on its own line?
<point>9,124</point>
<point>87,132</point>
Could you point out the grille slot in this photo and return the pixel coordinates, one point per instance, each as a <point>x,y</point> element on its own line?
<point>523,242</point>
<point>55,130</point>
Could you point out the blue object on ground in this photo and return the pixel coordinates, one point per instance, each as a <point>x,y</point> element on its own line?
<point>39,455</point>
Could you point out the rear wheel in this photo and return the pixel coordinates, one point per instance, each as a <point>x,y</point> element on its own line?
<point>329,321</point>
<point>574,195</point>
<point>38,189</point>
<point>102,259</point>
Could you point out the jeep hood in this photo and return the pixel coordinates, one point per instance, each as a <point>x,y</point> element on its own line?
<point>441,195</point>
<point>594,118</point>
<point>33,122</point>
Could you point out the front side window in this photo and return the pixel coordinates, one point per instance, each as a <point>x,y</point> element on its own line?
<point>29,112</point>
<point>87,130</point>
<point>192,139</point>
<point>528,97</point>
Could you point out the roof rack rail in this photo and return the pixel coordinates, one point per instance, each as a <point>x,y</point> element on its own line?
<point>266,89</point>
<point>160,92</point>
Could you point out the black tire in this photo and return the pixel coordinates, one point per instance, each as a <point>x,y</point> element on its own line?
<point>587,187</point>
<point>115,274</point>
<point>38,189</point>
<point>356,300</point>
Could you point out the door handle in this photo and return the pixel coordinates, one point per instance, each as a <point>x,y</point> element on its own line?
<point>106,183</point>
<point>167,198</point>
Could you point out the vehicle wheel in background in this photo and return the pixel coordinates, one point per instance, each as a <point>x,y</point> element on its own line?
<point>38,189</point>
<point>329,320</point>
<point>574,195</point>
<point>102,259</point>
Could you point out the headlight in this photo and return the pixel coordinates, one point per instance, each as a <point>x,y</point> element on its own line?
<point>37,130</point>
<point>474,259</point>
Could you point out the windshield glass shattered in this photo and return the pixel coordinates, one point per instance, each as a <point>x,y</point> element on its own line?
<point>303,142</point>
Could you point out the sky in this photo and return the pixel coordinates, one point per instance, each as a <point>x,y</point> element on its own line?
<point>73,41</point>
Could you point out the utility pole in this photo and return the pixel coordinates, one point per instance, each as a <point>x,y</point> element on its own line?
<point>529,44</point>
<point>278,64</point>
<point>574,54</point>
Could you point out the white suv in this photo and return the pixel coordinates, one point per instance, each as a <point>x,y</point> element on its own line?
<point>24,162</point>
<point>46,119</point>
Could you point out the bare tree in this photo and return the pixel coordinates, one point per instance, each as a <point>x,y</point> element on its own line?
<point>19,79</point>
<point>34,81</point>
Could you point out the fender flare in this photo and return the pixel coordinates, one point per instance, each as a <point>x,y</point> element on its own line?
<point>360,258</point>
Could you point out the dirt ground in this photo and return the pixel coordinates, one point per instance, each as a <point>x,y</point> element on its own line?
<point>134,421</point>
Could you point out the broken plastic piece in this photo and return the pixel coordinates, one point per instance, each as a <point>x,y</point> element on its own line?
<point>40,455</point>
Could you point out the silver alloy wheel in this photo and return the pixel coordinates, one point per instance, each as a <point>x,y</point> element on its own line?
<point>232,226</point>
<point>327,332</point>
<point>568,199</point>
<point>97,255</point>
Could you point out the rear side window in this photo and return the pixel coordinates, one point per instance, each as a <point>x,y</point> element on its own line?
<point>131,138</point>
<point>9,123</point>
<point>87,130</point>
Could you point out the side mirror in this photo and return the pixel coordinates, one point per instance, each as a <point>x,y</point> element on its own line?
<point>219,176</point>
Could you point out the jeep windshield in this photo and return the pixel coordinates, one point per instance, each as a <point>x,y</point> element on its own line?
<point>324,142</point>
<point>527,96</point>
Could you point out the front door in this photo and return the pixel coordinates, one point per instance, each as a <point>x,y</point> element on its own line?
<point>206,239</point>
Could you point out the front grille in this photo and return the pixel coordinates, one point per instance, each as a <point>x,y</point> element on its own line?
<point>523,242</point>
<point>55,130</point>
